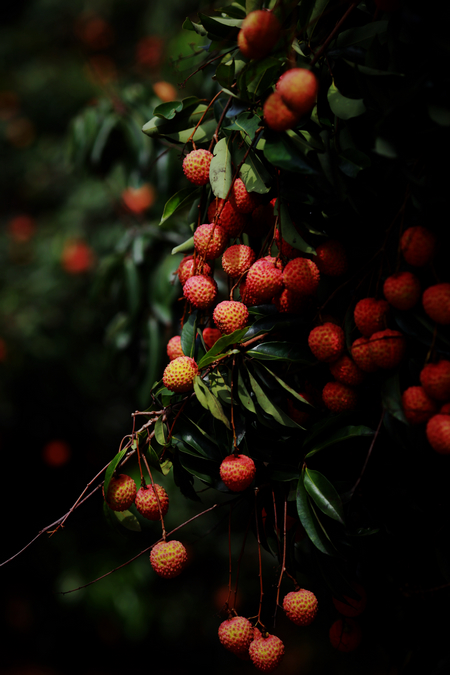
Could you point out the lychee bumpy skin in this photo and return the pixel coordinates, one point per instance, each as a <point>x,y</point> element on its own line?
<point>196,166</point>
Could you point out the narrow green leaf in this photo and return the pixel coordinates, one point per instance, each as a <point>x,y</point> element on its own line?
<point>269,323</point>
<point>209,401</point>
<point>160,431</point>
<point>324,494</point>
<point>128,520</point>
<point>191,434</point>
<point>392,398</point>
<point>220,171</point>
<point>219,387</point>
<point>111,468</point>
<point>310,522</point>
<point>220,346</point>
<point>188,334</point>
<point>280,151</point>
<point>290,234</point>
<point>287,387</point>
<point>244,396</point>
<point>179,201</point>
<point>361,36</point>
<point>270,408</point>
<point>187,245</point>
<point>338,436</point>
<point>281,351</point>
<point>201,468</point>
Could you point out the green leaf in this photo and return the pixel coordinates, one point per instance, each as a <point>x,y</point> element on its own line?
<point>188,334</point>
<point>209,401</point>
<point>289,232</point>
<point>160,431</point>
<point>225,72</point>
<point>318,8</point>
<point>203,469</point>
<point>281,151</point>
<point>338,436</point>
<point>220,171</point>
<point>310,521</point>
<point>392,398</point>
<point>191,434</point>
<point>200,134</point>
<point>102,137</point>
<point>352,162</point>
<point>224,28</point>
<point>219,387</point>
<point>282,351</point>
<point>127,520</point>
<point>187,245</point>
<point>344,107</point>
<point>361,36</point>
<point>220,346</point>
<point>270,408</point>
<point>324,494</point>
<point>287,387</point>
<point>196,27</point>
<point>269,323</point>
<point>112,467</point>
<point>169,109</point>
<point>179,201</point>
<point>244,395</point>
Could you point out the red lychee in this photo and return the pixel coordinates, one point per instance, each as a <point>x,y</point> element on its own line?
<point>301,607</point>
<point>362,355</point>
<point>196,166</point>
<point>436,303</point>
<point>260,31</point>
<point>243,201</point>
<point>301,276</point>
<point>238,259</point>
<point>346,371</point>
<point>237,472</point>
<point>231,220</point>
<point>121,492</point>
<point>339,397</point>
<point>201,291</point>
<point>168,558</point>
<point>331,258</point>
<point>327,342</point>
<point>236,634</point>
<point>417,405</point>
<point>370,315</point>
<point>147,502</point>
<point>277,115</point>
<point>298,89</point>
<point>417,245</point>
<point>230,315</point>
<point>179,374</point>
<point>264,280</point>
<point>345,635</point>
<point>189,267</point>
<point>174,348</point>
<point>266,652</point>
<point>387,348</point>
<point>210,240</point>
<point>290,302</point>
<point>435,379</point>
<point>438,433</point>
<point>402,290</point>
<point>139,199</point>
<point>210,336</point>
<point>77,257</point>
<point>285,248</point>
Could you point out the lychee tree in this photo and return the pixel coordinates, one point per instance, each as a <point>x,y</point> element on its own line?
<point>313,236</point>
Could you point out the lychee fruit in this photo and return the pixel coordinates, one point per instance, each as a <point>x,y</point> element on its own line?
<point>238,259</point>
<point>201,291</point>
<point>402,290</point>
<point>168,558</point>
<point>139,199</point>
<point>435,379</point>
<point>264,280</point>
<point>438,433</point>
<point>196,166</point>
<point>286,249</point>
<point>339,397</point>
<point>362,355</point>
<point>231,220</point>
<point>230,315</point>
<point>387,348</point>
<point>277,115</point>
<point>301,276</point>
<point>370,315</point>
<point>243,201</point>
<point>266,652</point>
<point>346,371</point>
<point>147,502</point>
<point>436,303</point>
<point>417,245</point>
<point>189,267</point>
<point>174,348</point>
<point>121,492</point>
<point>301,607</point>
<point>287,301</point>
<point>417,405</point>
<point>298,89</point>
<point>236,634</point>
<point>210,336</point>
<point>210,240</point>
<point>77,257</point>
<point>331,258</point>
<point>260,31</point>
<point>352,606</point>
<point>237,472</point>
<point>327,342</point>
<point>179,374</point>
<point>345,635</point>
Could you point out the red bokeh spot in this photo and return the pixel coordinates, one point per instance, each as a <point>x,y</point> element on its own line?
<point>77,257</point>
<point>56,453</point>
<point>21,228</point>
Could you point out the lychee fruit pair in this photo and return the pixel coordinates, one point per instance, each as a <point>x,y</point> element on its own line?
<point>295,96</point>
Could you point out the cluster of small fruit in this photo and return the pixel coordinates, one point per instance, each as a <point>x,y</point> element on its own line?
<point>168,558</point>
<point>265,650</point>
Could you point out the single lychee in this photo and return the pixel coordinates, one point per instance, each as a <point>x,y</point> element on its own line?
<point>435,379</point>
<point>370,315</point>
<point>436,303</point>
<point>196,166</point>
<point>277,115</point>
<point>210,240</point>
<point>352,606</point>
<point>286,249</point>
<point>121,492</point>
<point>438,433</point>
<point>327,342</point>
<point>263,281</point>
<point>201,291</point>
<point>236,634</point>
<point>266,652</point>
<point>362,356</point>
<point>417,245</point>
<point>345,635</point>
<point>331,258</point>
<point>301,607</point>
<point>210,336</point>
<point>179,374</point>
<point>346,371</point>
<point>243,201</point>
<point>298,89</point>
<point>139,199</point>
<point>260,31</point>
<point>189,267</point>
<point>417,405</point>
<point>230,315</point>
<point>147,502</point>
<point>387,348</point>
<point>237,259</point>
<point>301,276</point>
<point>237,472</point>
<point>287,301</point>
<point>339,397</point>
<point>402,290</point>
<point>168,558</point>
<point>174,348</point>
<point>231,220</point>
